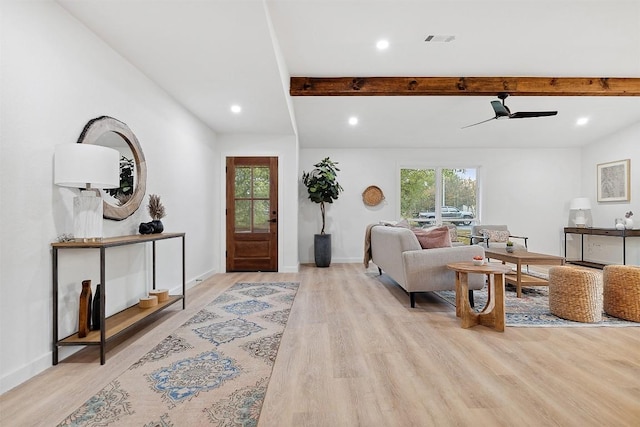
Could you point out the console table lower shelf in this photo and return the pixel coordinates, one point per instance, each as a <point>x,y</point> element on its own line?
<point>119,323</point>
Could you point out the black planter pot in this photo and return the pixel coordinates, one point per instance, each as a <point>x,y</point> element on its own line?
<point>158,227</point>
<point>322,249</point>
<point>145,228</point>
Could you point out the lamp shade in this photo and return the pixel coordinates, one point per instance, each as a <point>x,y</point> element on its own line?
<point>580,203</point>
<point>86,165</point>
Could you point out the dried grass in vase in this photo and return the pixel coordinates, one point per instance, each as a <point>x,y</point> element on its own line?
<point>156,208</point>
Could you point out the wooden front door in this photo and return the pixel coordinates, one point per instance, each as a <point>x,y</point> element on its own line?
<point>252,214</point>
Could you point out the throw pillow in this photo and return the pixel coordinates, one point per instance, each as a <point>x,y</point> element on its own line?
<point>434,237</point>
<point>496,236</point>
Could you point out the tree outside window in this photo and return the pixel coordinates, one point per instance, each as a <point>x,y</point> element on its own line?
<point>456,189</point>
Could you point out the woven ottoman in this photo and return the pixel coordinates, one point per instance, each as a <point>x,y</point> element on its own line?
<point>622,291</point>
<point>575,294</point>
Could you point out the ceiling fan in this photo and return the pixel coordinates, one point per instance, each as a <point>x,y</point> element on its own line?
<point>503,112</point>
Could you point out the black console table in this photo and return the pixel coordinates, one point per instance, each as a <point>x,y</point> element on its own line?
<point>597,232</point>
<point>122,321</point>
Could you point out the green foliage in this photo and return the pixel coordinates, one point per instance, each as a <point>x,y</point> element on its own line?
<point>252,208</point>
<point>418,190</point>
<point>124,192</point>
<point>322,185</point>
<point>459,191</point>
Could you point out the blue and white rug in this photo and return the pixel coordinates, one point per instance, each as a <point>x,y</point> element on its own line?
<point>213,370</point>
<point>532,310</point>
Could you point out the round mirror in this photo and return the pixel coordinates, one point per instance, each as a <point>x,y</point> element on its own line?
<point>121,202</point>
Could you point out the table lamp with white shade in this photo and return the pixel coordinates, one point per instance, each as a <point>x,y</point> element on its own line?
<point>90,167</point>
<point>580,205</point>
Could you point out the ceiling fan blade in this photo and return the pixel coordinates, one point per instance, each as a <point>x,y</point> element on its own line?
<point>528,114</point>
<point>500,109</point>
<point>484,121</point>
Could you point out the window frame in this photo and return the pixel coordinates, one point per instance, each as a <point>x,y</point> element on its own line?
<point>438,194</point>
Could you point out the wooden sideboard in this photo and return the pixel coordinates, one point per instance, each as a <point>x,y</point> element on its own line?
<point>588,231</point>
<point>120,322</point>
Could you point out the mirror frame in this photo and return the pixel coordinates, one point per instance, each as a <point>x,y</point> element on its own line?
<point>92,131</point>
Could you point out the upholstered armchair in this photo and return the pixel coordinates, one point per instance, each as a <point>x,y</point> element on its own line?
<point>495,236</point>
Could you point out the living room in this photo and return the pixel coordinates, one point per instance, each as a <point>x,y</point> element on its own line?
<point>57,74</point>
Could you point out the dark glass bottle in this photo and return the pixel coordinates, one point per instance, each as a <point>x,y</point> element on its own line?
<point>95,314</point>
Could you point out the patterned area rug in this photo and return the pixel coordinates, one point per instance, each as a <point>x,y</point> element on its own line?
<point>532,310</point>
<point>213,370</point>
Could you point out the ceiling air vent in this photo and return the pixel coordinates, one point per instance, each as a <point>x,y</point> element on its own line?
<point>439,38</point>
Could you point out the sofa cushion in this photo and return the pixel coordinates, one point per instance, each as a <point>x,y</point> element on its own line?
<point>434,237</point>
<point>496,236</point>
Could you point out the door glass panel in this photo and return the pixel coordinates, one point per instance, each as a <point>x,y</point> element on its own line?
<point>252,186</point>
<point>243,182</point>
<point>261,182</point>
<point>243,216</point>
<point>261,215</point>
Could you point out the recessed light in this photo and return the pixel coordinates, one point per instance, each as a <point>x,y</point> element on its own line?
<point>353,121</point>
<point>382,44</point>
<point>236,108</point>
<point>582,121</point>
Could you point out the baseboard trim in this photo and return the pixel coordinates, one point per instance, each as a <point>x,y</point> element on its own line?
<point>25,372</point>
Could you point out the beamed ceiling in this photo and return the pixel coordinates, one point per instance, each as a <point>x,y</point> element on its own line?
<point>464,86</point>
<point>295,66</point>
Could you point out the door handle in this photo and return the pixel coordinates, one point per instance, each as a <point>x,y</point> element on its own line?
<point>273,220</point>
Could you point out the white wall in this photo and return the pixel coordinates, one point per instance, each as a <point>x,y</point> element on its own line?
<point>624,144</point>
<point>56,76</point>
<point>286,149</point>
<point>529,190</point>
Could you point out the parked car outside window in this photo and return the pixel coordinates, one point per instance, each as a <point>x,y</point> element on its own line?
<point>449,212</point>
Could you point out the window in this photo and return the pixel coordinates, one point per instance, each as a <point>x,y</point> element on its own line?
<point>439,196</point>
<point>252,199</point>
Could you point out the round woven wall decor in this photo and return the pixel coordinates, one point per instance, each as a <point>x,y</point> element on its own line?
<point>372,196</point>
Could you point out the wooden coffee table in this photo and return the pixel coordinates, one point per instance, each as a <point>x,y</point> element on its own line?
<point>520,258</point>
<point>493,312</point>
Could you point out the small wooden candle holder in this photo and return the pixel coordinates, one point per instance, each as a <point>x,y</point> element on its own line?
<point>162,294</point>
<point>148,302</point>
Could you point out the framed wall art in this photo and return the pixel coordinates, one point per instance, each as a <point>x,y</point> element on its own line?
<point>614,180</point>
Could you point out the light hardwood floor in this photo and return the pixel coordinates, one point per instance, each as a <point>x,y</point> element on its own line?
<point>355,354</point>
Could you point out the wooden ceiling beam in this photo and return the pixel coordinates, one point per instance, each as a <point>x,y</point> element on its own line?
<point>464,86</point>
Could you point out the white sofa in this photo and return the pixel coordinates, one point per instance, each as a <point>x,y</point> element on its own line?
<point>397,252</point>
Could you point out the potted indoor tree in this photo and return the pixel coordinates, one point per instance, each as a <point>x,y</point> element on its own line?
<point>323,187</point>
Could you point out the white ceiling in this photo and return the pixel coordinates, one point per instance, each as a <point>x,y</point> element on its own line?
<point>209,54</point>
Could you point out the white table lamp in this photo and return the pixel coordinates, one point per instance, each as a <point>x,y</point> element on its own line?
<point>87,166</point>
<point>580,205</point>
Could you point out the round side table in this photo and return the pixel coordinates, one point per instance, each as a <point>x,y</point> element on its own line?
<point>492,314</point>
